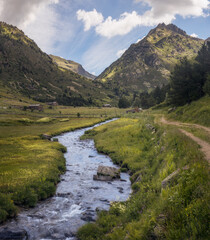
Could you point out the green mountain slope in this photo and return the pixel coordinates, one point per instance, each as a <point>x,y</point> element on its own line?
<point>25,69</point>
<point>73,66</point>
<point>147,64</point>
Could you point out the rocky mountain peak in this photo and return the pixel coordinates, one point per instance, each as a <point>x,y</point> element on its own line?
<point>170,27</point>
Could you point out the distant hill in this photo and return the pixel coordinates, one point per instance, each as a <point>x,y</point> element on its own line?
<point>148,63</point>
<point>25,69</point>
<point>73,66</point>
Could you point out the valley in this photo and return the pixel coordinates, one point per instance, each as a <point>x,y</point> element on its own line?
<point>147,115</point>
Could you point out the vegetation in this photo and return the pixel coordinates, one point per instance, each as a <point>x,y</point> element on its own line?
<point>147,64</point>
<point>71,65</point>
<point>195,112</point>
<point>123,103</point>
<point>26,70</point>
<point>152,152</point>
<point>30,166</point>
<point>190,80</point>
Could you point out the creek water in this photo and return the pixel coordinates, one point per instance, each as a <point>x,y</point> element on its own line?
<point>78,196</point>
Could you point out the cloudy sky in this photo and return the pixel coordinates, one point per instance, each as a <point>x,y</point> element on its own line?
<point>96,32</point>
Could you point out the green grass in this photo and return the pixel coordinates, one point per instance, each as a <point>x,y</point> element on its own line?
<point>200,133</point>
<point>29,171</point>
<point>195,112</point>
<point>178,212</point>
<point>30,166</point>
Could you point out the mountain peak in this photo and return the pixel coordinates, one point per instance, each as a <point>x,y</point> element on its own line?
<point>148,63</point>
<point>73,66</point>
<point>171,27</point>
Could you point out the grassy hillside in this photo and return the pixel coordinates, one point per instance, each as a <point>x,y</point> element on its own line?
<point>195,112</point>
<point>148,63</point>
<point>26,70</point>
<point>71,65</point>
<point>151,153</point>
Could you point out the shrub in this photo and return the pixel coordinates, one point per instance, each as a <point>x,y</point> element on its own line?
<point>7,207</point>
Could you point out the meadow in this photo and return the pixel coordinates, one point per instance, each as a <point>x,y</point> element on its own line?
<point>29,165</point>
<point>150,152</point>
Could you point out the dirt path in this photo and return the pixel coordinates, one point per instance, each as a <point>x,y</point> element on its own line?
<point>180,124</point>
<point>205,147</point>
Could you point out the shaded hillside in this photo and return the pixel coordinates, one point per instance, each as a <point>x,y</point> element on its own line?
<point>147,64</point>
<point>25,69</point>
<point>73,66</point>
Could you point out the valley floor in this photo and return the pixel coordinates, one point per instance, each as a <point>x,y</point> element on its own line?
<point>30,166</point>
<point>168,169</point>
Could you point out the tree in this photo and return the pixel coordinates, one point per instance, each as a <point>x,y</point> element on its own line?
<point>206,87</point>
<point>123,103</point>
<point>203,58</point>
<point>186,83</point>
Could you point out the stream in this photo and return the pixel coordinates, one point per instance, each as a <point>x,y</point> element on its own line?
<point>78,196</point>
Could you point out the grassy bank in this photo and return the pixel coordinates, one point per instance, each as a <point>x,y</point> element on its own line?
<point>30,166</point>
<point>195,112</point>
<point>152,152</point>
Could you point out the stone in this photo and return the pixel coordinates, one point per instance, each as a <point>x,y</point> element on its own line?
<point>47,137</point>
<point>105,173</point>
<point>10,234</point>
<point>170,178</point>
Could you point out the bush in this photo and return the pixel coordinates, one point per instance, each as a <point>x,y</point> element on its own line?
<point>123,103</point>
<point>26,197</point>
<point>7,207</point>
<point>90,230</point>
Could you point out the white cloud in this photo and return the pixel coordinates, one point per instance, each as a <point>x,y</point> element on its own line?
<point>160,11</point>
<point>194,35</point>
<point>90,19</point>
<point>37,18</point>
<point>120,52</point>
<point>183,8</point>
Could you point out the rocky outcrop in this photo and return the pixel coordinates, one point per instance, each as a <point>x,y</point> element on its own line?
<point>46,136</point>
<point>9,234</point>
<point>105,173</point>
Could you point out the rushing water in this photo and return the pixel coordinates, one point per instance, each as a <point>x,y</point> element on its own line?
<point>78,196</point>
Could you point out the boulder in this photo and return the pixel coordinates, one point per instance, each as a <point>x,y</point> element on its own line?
<point>105,173</point>
<point>9,234</point>
<point>46,136</point>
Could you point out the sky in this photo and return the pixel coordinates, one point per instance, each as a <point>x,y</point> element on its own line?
<point>95,33</point>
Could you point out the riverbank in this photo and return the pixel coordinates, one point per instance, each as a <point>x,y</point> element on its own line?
<point>30,166</point>
<point>169,180</point>
<point>78,197</point>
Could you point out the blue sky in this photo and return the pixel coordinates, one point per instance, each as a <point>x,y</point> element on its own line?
<point>96,32</point>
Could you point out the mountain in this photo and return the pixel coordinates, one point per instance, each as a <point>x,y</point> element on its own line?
<point>25,69</point>
<point>148,63</point>
<point>73,66</point>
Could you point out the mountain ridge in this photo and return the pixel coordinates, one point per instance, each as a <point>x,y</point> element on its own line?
<point>25,69</point>
<point>72,65</point>
<point>147,64</point>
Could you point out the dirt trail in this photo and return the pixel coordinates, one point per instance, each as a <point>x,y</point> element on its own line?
<point>180,124</point>
<point>205,147</point>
